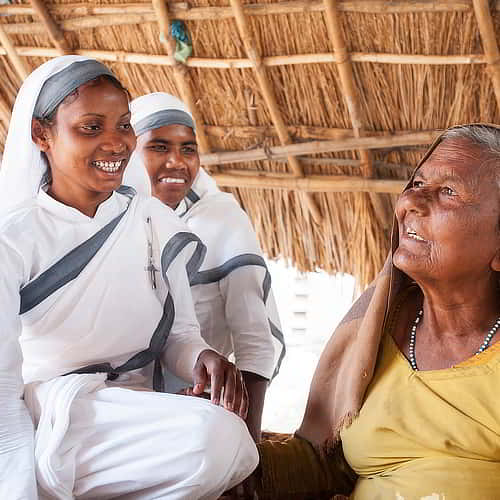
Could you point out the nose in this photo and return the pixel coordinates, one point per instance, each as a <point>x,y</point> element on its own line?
<point>114,144</point>
<point>412,200</point>
<point>175,159</point>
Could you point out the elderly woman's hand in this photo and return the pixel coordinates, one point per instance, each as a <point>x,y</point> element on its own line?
<point>214,369</point>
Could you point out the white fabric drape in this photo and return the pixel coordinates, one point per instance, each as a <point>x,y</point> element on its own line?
<point>23,166</point>
<point>87,428</point>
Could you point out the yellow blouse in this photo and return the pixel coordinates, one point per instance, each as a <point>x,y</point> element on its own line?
<point>432,435</point>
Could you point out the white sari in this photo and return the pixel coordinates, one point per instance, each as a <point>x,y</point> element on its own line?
<point>118,310</point>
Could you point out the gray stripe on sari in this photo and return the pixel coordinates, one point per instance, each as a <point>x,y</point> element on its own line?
<point>248,259</point>
<point>160,336</point>
<point>66,269</point>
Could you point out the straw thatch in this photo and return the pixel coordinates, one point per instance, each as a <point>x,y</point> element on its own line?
<point>326,105</point>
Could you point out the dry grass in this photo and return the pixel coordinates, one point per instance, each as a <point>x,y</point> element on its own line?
<point>393,97</point>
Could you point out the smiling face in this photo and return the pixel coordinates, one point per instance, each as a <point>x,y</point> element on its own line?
<point>170,155</point>
<point>90,143</point>
<point>449,218</point>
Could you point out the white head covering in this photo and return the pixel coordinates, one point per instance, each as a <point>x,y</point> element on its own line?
<point>149,112</point>
<point>23,166</point>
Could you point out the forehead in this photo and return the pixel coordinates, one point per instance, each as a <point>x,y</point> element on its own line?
<point>100,97</point>
<point>460,159</point>
<point>170,133</point>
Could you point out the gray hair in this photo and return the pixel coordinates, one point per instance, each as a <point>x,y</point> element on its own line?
<point>487,137</point>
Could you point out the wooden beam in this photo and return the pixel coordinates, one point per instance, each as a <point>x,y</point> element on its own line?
<point>185,12</point>
<point>10,51</point>
<point>270,98</point>
<point>233,63</point>
<point>55,33</point>
<point>312,183</point>
<point>490,45</point>
<point>350,93</point>
<point>316,147</point>
<point>180,73</point>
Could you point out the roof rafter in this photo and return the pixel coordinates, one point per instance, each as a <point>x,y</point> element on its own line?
<point>270,99</point>
<point>312,183</point>
<point>230,63</point>
<point>10,51</point>
<point>316,147</point>
<point>488,37</point>
<point>351,97</point>
<point>55,33</point>
<point>183,11</point>
<point>181,75</point>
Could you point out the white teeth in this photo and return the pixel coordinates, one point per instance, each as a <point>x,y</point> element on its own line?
<point>413,234</point>
<point>108,166</point>
<point>173,180</point>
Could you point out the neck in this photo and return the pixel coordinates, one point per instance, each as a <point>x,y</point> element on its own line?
<point>461,309</point>
<point>87,206</point>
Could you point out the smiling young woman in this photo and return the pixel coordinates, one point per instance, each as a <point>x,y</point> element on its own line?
<point>96,302</point>
<point>88,143</point>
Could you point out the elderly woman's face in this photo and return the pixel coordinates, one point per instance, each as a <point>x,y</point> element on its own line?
<point>91,141</point>
<point>449,218</point>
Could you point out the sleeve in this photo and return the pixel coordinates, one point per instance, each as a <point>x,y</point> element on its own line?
<point>17,469</point>
<point>185,342</point>
<point>247,318</point>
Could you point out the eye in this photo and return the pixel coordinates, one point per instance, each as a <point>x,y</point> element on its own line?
<point>417,184</point>
<point>448,191</point>
<point>126,126</point>
<point>158,148</point>
<point>91,127</point>
<point>189,150</point>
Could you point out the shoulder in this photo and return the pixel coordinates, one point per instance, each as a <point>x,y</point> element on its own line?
<point>221,213</point>
<point>18,220</point>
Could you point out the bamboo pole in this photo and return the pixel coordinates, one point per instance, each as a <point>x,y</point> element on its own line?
<point>490,45</point>
<point>55,33</point>
<point>144,58</point>
<point>351,97</point>
<point>181,76</point>
<point>270,98</point>
<point>312,183</point>
<point>184,12</point>
<point>233,63</point>
<point>316,147</point>
<point>13,56</point>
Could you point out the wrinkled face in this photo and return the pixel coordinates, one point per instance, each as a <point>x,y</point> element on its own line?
<point>170,155</point>
<point>449,218</point>
<point>90,143</point>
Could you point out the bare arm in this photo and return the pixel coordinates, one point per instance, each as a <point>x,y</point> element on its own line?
<point>256,388</point>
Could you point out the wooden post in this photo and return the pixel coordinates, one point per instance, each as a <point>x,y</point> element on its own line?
<point>351,97</point>
<point>55,33</point>
<point>181,75</point>
<point>490,45</point>
<point>13,56</point>
<point>270,98</point>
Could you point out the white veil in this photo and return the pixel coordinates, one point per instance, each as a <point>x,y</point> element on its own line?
<point>23,166</point>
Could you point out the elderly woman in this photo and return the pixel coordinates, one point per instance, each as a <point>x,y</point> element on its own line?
<point>404,398</point>
<point>94,287</point>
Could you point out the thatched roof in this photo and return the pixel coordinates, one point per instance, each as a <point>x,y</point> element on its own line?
<point>326,105</point>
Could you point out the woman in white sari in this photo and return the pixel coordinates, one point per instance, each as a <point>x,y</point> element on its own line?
<point>94,287</point>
